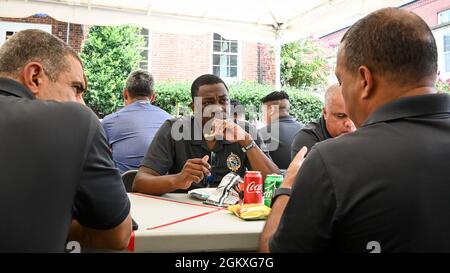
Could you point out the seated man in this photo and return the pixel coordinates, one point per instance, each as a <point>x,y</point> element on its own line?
<point>280,128</point>
<point>56,164</point>
<point>333,123</point>
<point>183,153</point>
<point>131,130</point>
<point>385,187</point>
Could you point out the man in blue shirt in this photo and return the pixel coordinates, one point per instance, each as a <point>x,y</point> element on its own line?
<point>131,130</point>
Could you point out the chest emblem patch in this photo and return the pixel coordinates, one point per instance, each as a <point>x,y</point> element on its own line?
<point>233,162</point>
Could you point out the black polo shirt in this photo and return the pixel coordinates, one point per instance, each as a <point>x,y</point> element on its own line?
<point>55,166</point>
<point>278,137</point>
<point>167,155</point>
<point>386,185</point>
<point>313,132</point>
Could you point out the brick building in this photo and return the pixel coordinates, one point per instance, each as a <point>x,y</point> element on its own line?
<point>172,57</point>
<point>437,15</point>
<point>71,33</point>
<point>178,57</point>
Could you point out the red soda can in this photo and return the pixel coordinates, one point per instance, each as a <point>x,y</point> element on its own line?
<point>253,188</point>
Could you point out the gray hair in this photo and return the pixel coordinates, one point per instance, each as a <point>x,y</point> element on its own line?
<point>140,83</point>
<point>330,93</point>
<point>34,45</point>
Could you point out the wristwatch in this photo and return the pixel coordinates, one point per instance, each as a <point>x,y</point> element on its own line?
<point>249,146</point>
<point>279,192</point>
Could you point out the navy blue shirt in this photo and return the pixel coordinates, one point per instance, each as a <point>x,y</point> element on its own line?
<point>278,137</point>
<point>56,166</point>
<point>167,155</point>
<point>130,132</point>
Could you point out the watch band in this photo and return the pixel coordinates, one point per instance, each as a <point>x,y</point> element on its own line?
<point>249,146</point>
<point>278,192</point>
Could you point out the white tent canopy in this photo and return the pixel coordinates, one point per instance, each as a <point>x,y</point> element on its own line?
<point>268,21</point>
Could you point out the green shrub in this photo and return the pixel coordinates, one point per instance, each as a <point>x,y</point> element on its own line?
<point>109,55</point>
<point>305,106</point>
<point>303,63</point>
<point>443,86</point>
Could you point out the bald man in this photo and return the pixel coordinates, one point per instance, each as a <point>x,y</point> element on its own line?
<point>333,123</point>
<point>280,128</point>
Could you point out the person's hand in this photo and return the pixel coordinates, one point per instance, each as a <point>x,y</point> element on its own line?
<point>291,172</point>
<point>194,170</point>
<point>231,132</point>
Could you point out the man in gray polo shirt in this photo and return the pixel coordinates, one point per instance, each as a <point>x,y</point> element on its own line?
<point>58,179</point>
<point>183,154</point>
<point>385,187</point>
<point>333,122</point>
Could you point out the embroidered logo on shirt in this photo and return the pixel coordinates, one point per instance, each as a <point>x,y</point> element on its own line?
<point>233,162</point>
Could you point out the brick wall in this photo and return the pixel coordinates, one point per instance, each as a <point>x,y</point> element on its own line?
<point>249,61</point>
<point>59,29</point>
<point>427,9</point>
<point>267,60</point>
<point>178,57</point>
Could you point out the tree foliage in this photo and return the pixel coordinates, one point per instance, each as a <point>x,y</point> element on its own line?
<point>109,55</point>
<point>303,64</point>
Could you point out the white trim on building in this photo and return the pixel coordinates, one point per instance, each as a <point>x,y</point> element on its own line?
<point>7,29</point>
<point>440,32</point>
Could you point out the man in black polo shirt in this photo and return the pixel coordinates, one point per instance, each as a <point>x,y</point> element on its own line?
<point>333,122</point>
<point>385,187</point>
<point>183,154</point>
<point>58,179</point>
<point>280,128</point>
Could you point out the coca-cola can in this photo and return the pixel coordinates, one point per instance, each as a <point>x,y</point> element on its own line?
<point>253,188</point>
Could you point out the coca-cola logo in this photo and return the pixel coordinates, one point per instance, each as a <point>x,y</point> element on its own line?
<point>252,187</point>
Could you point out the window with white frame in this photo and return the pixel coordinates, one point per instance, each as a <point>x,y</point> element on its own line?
<point>444,17</point>
<point>225,57</point>
<point>144,64</point>
<point>8,29</point>
<point>447,52</point>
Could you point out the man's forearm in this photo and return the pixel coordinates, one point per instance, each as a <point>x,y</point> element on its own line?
<point>115,239</point>
<point>260,162</point>
<point>156,185</point>
<point>272,222</point>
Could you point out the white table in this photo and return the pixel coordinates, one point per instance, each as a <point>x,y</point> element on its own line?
<point>178,223</point>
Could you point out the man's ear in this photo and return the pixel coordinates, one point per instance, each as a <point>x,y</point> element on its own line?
<point>33,76</point>
<point>125,94</point>
<point>153,97</point>
<point>324,113</point>
<point>366,82</point>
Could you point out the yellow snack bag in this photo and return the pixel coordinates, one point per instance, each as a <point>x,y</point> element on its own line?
<point>250,211</point>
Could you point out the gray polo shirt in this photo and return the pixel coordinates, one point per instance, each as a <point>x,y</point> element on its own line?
<point>309,135</point>
<point>386,185</point>
<point>167,155</point>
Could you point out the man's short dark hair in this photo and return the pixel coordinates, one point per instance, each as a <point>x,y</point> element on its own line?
<point>395,43</point>
<point>34,45</point>
<point>206,79</point>
<point>140,83</point>
<point>275,96</point>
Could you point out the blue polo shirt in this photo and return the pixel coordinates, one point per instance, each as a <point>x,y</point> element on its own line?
<point>130,132</point>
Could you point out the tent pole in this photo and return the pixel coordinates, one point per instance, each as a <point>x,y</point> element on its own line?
<point>278,61</point>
